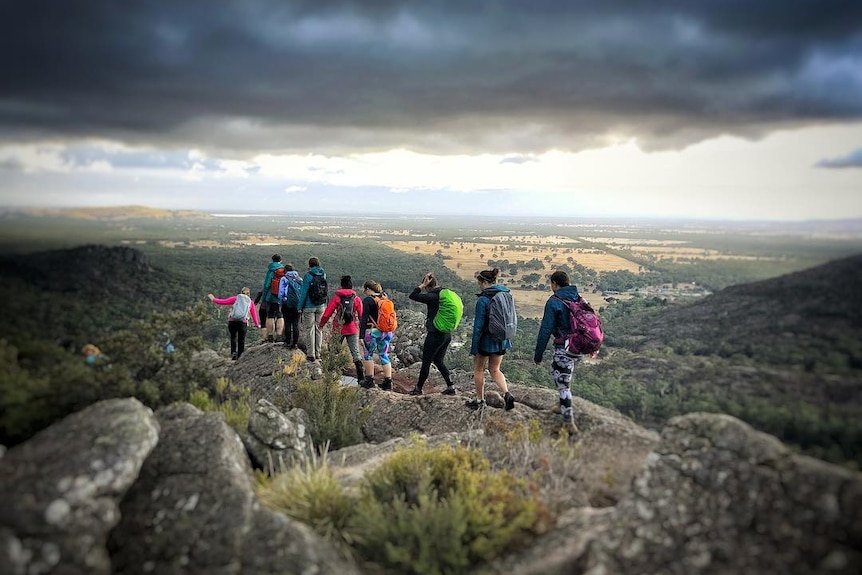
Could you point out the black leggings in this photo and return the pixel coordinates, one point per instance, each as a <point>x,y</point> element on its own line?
<point>291,324</point>
<point>434,350</point>
<point>237,331</point>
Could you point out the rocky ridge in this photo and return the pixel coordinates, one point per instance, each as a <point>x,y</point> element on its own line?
<point>116,488</point>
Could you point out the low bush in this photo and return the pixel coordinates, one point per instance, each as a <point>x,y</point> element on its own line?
<point>333,409</point>
<point>423,511</point>
<point>442,510</point>
<point>232,401</point>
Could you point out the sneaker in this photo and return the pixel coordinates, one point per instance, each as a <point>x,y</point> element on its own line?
<point>509,400</point>
<point>475,403</point>
<point>450,390</point>
<point>387,384</point>
<point>415,391</point>
<point>233,356</point>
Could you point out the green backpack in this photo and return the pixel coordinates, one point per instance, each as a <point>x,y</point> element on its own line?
<point>451,309</point>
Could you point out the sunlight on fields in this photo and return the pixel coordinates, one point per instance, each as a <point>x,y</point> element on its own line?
<point>466,258</point>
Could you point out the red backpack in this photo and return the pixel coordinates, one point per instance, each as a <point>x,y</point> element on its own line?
<point>585,335</point>
<point>275,282</point>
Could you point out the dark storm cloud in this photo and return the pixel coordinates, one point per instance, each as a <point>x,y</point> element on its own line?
<point>448,76</point>
<point>851,160</point>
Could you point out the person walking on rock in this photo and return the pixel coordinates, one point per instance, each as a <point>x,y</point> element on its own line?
<point>488,348</point>
<point>555,321</point>
<point>288,296</point>
<point>375,334</point>
<point>436,341</point>
<point>269,301</point>
<point>347,309</point>
<point>237,321</point>
<point>312,302</point>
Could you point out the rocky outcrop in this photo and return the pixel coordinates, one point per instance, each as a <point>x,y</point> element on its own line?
<point>718,497</point>
<point>60,491</point>
<point>193,510</point>
<point>277,441</point>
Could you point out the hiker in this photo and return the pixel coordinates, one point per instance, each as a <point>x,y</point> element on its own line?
<point>288,297</point>
<point>555,321</point>
<point>487,348</point>
<point>348,306</point>
<point>436,341</point>
<point>312,302</point>
<point>274,324</point>
<point>237,321</point>
<point>92,354</point>
<point>375,339</point>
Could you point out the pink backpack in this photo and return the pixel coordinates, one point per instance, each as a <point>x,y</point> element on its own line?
<point>585,335</point>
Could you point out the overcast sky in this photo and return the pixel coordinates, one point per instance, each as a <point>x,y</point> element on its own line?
<point>743,109</point>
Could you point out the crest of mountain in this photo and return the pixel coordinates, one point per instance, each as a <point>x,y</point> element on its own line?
<point>810,319</point>
<point>91,288</point>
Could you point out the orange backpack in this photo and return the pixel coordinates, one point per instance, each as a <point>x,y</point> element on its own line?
<point>386,320</point>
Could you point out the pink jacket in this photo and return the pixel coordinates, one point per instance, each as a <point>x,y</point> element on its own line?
<point>230,300</point>
<point>353,327</point>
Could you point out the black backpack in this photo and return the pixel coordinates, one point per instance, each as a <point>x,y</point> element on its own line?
<point>346,310</point>
<point>317,289</point>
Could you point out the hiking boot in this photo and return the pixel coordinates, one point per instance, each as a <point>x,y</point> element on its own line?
<point>415,391</point>
<point>270,339</point>
<point>509,401</point>
<point>367,383</point>
<point>233,356</point>
<point>387,384</point>
<point>450,390</point>
<point>475,403</point>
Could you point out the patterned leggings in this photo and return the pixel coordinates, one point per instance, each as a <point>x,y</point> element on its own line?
<point>562,368</point>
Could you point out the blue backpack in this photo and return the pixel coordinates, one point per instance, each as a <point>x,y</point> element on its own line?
<point>293,289</point>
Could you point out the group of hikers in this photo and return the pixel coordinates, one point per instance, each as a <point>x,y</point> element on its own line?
<point>367,325</point>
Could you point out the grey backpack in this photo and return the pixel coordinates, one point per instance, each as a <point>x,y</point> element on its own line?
<point>239,311</point>
<point>502,319</point>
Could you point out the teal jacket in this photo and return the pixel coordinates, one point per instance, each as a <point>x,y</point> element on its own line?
<point>555,320</point>
<point>304,302</point>
<point>482,340</point>
<point>268,296</point>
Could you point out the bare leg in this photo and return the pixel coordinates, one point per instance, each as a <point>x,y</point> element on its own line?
<point>494,362</point>
<point>479,375</point>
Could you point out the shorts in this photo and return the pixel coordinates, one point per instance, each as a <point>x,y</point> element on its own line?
<point>490,353</point>
<point>377,341</point>
<point>273,310</point>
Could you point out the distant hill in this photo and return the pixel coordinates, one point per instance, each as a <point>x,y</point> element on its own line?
<point>783,354</point>
<point>71,296</point>
<point>115,213</point>
<point>810,320</point>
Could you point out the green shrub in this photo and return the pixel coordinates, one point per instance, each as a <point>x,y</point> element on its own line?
<point>334,411</point>
<point>232,401</point>
<point>312,495</point>
<point>442,510</point>
<point>41,382</point>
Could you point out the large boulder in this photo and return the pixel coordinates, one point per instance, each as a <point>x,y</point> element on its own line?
<point>193,510</point>
<point>277,441</point>
<point>60,491</point>
<point>717,496</point>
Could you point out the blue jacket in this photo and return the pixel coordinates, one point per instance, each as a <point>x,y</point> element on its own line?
<point>304,302</point>
<point>284,285</point>
<point>482,340</point>
<point>555,320</point>
<point>268,296</point>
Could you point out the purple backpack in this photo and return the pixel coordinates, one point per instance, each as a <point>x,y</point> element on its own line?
<point>585,328</point>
